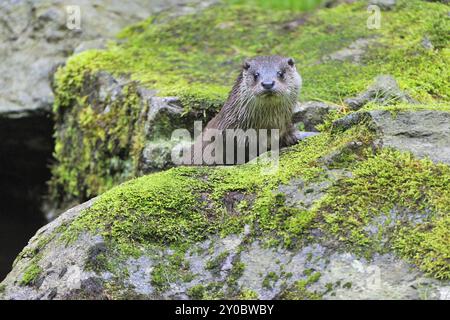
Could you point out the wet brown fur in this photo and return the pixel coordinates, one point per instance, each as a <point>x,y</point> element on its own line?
<point>249,107</point>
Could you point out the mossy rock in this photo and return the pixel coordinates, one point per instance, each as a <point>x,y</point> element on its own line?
<point>105,98</point>
<point>339,215</point>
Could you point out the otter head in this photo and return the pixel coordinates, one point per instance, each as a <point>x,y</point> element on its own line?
<point>271,76</point>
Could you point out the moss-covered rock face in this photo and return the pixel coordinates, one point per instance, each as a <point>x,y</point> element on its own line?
<point>339,214</point>
<point>105,134</point>
<point>360,210</point>
<point>366,199</point>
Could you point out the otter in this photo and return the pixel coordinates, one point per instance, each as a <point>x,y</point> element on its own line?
<point>262,98</point>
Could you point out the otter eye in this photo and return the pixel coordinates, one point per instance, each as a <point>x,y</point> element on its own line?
<point>256,75</point>
<point>280,74</point>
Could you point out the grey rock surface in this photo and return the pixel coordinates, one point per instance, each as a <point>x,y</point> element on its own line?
<point>354,52</point>
<point>37,35</point>
<point>71,271</point>
<point>425,133</point>
<point>308,115</point>
<point>427,44</point>
<point>384,91</point>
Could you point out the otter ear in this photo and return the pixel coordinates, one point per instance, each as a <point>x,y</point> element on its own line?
<point>291,62</point>
<point>246,65</point>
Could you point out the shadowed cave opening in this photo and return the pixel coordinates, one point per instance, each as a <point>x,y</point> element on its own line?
<point>26,146</point>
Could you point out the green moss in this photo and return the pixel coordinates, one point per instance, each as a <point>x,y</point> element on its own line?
<point>248,294</point>
<point>269,280</point>
<point>388,201</point>
<point>34,252</point>
<point>216,263</point>
<point>174,268</point>
<point>427,246</point>
<point>183,205</point>
<point>161,208</point>
<point>438,33</point>
<point>210,291</point>
<point>300,291</point>
<point>96,150</point>
<point>98,263</point>
<point>368,210</point>
<point>116,291</point>
<point>347,285</point>
<point>186,52</point>
<point>236,272</point>
<point>32,255</point>
<point>196,292</point>
<point>31,274</point>
<point>214,291</point>
<point>2,288</point>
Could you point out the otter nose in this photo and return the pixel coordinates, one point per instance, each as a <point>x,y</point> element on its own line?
<point>268,84</point>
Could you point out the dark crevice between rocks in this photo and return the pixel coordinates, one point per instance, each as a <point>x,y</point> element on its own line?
<point>26,146</point>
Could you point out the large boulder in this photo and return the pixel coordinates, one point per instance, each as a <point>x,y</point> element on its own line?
<point>341,216</point>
